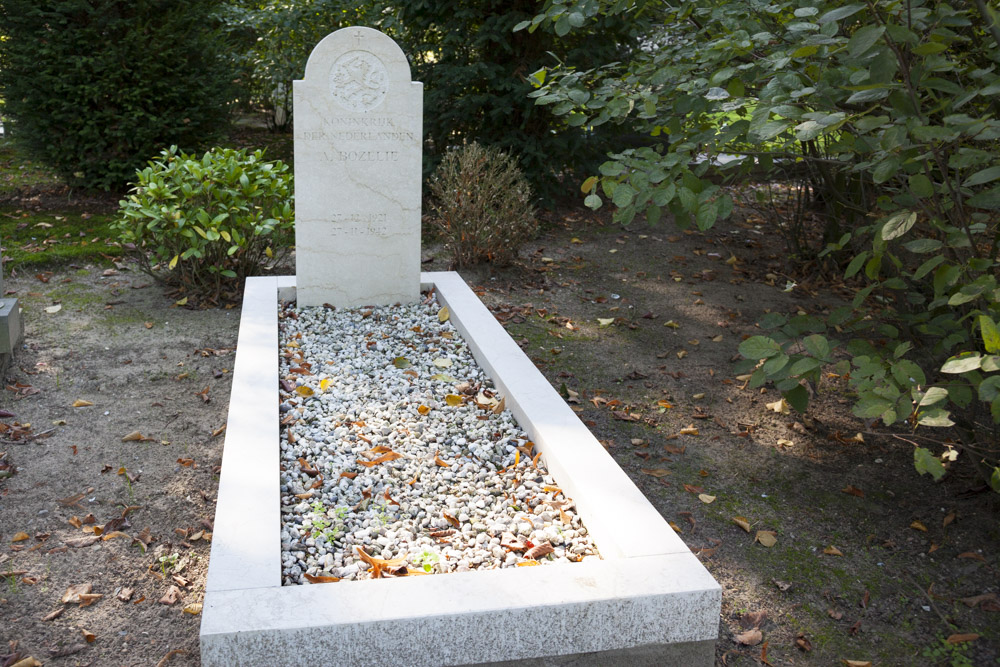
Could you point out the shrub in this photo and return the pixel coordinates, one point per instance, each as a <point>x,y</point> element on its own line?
<point>483,205</point>
<point>94,87</point>
<point>205,225</point>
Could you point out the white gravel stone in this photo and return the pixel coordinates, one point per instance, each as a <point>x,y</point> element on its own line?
<point>390,442</point>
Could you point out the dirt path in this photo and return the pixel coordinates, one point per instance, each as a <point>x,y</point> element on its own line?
<point>637,328</point>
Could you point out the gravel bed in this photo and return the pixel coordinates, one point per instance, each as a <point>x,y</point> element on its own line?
<point>398,457</point>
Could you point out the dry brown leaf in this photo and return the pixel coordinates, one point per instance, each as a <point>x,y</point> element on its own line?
<point>948,519</point>
<point>671,449</point>
<point>171,596</point>
<point>832,551</point>
<point>423,409</point>
<point>88,636</point>
<point>705,498</point>
<point>857,663</point>
<point>135,436</point>
<point>964,637</point>
<point>379,565</point>
<point>319,579</point>
<point>689,430</point>
<point>971,554</point>
<point>976,599</point>
<point>87,599</point>
<point>742,522</point>
<point>74,521</point>
<point>52,615</point>
<point>165,659</point>
<point>450,519</point>
<point>453,400</point>
<point>538,551</point>
<point>655,472</point>
<point>126,593</point>
<point>73,593</point>
<point>916,525</point>
<point>438,461</point>
<point>20,537</point>
<point>835,615</point>
<point>853,490</point>
<point>80,403</point>
<point>751,637</point>
<point>391,456</point>
<point>767,538</point>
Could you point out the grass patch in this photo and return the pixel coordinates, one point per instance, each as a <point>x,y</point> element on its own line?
<point>39,240</point>
<point>17,173</point>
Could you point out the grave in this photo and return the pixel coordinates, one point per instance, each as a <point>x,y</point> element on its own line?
<point>649,601</point>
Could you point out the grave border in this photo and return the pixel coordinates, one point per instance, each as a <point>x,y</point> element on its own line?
<point>649,600</point>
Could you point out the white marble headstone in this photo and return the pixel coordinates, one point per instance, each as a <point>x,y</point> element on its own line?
<point>358,129</point>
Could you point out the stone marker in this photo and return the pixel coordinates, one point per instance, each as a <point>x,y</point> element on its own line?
<point>358,129</point>
<point>11,325</point>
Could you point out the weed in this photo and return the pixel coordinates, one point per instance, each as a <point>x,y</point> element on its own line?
<point>945,653</point>
<point>427,559</point>
<point>168,563</point>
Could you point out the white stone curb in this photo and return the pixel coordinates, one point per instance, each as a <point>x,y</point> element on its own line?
<point>650,600</point>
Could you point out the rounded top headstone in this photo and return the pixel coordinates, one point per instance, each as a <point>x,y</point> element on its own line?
<point>359,66</point>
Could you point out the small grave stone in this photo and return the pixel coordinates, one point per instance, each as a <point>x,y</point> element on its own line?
<point>358,129</point>
<point>11,328</point>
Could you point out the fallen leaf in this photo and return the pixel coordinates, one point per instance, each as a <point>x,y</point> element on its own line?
<point>391,456</point>
<point>655,472</point>
<point>780,406</point>
<point>835,615</point>
<point>450,519</point>
<point>304,391</point>
<point>976,599</point>
<point>149,325</point>
<point>751,637</point>
<point>853,490</point>
<point>88,636</point>
<point>423,409</point>
<point>379,565</point>
<point>690,488</point>
<point>971,554</point>
<point>959,638</point>
<point>705,498</point>
<point>857,663</point>
<point>81,403</point>
<point>453,400</point>
<point>916,525</point>
<point>782,442</point>
<point>948,519</point>
<point>689,430</point>
<point>742,523</point>
<point>135,436</point>
<point>767,538</point>
<point>195,608</point>
<point>20,537</point>
<point>832,551</point>
<point>538,551</point>
<point>442,362</point>
<point>125,594</point>
<point>324,383</point>
<point>171,596</point>
<point>87,599</point>
<point>54,309</point>
<point>603,322</point>
<point>444,314</point>
<point>52,615</point>
<point>73,593</point>
<point>782,585</point>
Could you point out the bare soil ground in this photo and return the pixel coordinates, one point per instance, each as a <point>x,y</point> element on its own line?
<point>637,327</point>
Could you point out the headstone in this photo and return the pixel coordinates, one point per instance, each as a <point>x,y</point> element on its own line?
<point>358,129</point>
<point>11,326</point>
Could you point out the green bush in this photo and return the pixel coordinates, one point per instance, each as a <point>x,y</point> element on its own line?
<point>94,87</point>
<point>482,204</point>
<point>890,109</point>
<point>476,70</point>
<point>205,225</point>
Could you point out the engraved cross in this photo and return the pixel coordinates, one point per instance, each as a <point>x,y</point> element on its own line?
<point>357,39</point>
